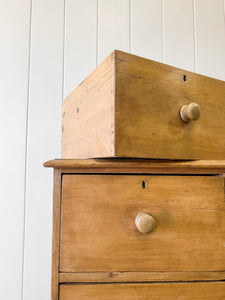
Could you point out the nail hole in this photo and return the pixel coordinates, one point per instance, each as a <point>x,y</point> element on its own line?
<point>144,184</point>
<point>184,78</point>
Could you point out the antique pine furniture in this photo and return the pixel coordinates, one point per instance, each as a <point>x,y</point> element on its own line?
<point>130,106</point>
<point>138,229</point>
<point>126,228</point>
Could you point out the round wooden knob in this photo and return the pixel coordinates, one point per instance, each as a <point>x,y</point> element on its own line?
<point>191,112</point>
<point>144,222</point>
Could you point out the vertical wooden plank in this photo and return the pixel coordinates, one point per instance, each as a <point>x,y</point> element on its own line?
<point>44,127</point>
<point>80,41</point>
<point>146,28</point>
<point>56,234</point>
<point>113,27</point>
<point>210,38</point>
<point>178,34</point>
<point>14,61</point>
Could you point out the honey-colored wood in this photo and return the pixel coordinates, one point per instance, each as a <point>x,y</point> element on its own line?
<point>98,230</point>
<point>110,205</point>
<point>88,122</point>
<point>137,166</point>
<point>140,276</point>
<point>144,222</point>
<point>130,107</point>
<point>55,234</point>
<point>191,112</point>
<point>153,291</point>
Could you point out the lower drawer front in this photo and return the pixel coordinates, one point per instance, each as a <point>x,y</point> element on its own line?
<point>154,291</point>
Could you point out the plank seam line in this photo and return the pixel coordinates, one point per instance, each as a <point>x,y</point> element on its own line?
<point>63,50</point>
<point>26,146</point>
<point>97,33</point>
<point>162,34</point>
<point>195,35</point>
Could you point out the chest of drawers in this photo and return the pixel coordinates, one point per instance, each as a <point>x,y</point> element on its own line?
<point>138,229</point>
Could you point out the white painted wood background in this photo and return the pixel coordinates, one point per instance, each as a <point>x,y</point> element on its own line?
<point>47,48</point>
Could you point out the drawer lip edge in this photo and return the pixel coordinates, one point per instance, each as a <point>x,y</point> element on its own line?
<point>122,277</point>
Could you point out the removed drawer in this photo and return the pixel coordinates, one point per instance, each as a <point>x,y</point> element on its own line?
<point>130,107</point>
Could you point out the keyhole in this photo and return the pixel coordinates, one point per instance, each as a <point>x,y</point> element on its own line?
<point>184,77</point>
<point>144,184</point>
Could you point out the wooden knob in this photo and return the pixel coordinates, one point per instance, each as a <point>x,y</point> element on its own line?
<point>144,222</point>
<point>191,112</point>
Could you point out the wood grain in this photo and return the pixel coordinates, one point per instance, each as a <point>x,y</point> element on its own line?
<point>129,107</point>
<point>98,232</point>
<point>139,276</point>
<point>88,122</point>
<point>137,166</point>
<point>56,234</point>
<point>156,291</point>
<point>148,98</point>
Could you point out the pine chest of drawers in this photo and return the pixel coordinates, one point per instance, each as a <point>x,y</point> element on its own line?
<point>138,229</point>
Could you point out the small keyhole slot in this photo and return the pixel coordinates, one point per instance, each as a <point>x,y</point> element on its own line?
<point>184,78</point>
<point>144,184</point>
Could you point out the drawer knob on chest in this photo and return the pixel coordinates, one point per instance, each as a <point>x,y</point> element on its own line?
<point>144,222</point>
<point>191,112</point>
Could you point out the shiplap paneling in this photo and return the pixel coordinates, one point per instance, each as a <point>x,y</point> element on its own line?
<point>80,55</point>
<point>93,28</point>
<point>14,61</point>
<point>44,137</point>
<point>146,28</point>
<point>210,37</point>
<point>113,27</point>
<point>178,34</point>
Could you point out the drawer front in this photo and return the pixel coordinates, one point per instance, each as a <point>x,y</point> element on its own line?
<point>154,291</point>
<point>98,230</point>
<point>148,100</point>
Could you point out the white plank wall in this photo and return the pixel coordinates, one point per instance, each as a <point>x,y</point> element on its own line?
<point>210,37</point>
<point>43,142</point>
<point>178,34</point>
<point>113,27</point>
<point>80,41</point>
<point>47,48</point>
<point>146,29</point>
<point>14,68</point>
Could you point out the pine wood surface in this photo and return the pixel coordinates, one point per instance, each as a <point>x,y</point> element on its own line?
<point>156,291</point>
<point>55,234</point>
<point>139,276</point>
<point>93,116</point>
<point>130,107</point>
<point>98,230</point>
<point>137,166</point>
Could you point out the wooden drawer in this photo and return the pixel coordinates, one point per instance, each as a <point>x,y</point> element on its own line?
<point>98,231</point>
<point>154,291</point>
<point>130,107</point>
